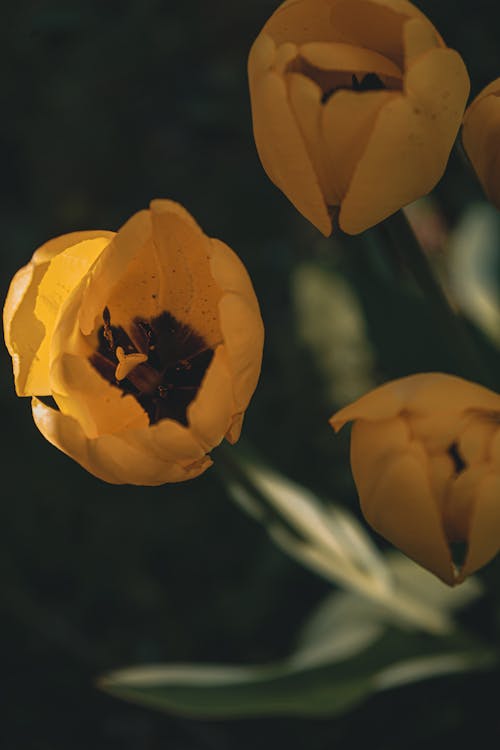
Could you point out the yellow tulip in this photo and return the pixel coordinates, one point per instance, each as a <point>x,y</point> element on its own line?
<point>356,105</point>
<point>149,341</point>
<point>481,139</point>
<point>425,456</point>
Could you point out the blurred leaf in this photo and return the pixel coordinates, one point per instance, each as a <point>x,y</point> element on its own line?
<point>473,267</point>
<point>332,325</point>
<point>292,687</point>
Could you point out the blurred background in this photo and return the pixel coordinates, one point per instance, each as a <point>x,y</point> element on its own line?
<point>107,105</point>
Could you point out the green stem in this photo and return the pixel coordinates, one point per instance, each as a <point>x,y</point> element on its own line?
<point>462,348</point>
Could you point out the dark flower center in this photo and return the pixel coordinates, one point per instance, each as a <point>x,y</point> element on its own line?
<point>369,82</point>
<point>168,375</point>
<point>458,461</point>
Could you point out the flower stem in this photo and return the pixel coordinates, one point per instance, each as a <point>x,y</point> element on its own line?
<point>467,360</point>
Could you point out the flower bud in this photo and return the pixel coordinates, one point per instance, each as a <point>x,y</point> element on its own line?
<point>356,105</point>
<point>425,457</point>
<point>481,139</point>
<point>148,340</point>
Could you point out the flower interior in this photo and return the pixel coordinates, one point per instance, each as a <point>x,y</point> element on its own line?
<point>159,361</point>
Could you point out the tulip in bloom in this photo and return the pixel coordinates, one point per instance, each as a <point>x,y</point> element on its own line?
<point>149,340</point>
<point>425,456</point>
<point>481,139</point>
<point>356,105</point>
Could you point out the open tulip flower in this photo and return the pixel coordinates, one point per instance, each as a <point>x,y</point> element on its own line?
<point>481,139</point>
<point>356,105</point>
<point>425,456</point>
<point>149,341</point>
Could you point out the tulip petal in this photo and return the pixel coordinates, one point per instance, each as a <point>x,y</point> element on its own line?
<point>373,447</point>
<point>410,142</point>
<point>97,405</point>
<point>484,531</point>
<point>373,24</point>
<point>339,56</point>
<point>182,258</point>
<point>347,122</point>
<point>419,38</point>
<point>111,266</point>
<point>230,274</point>
<point>481,140</point>
<point>282,150</point>
<point>242,331</point>
<point>110,457</point>
<point>422,393</point>
<point>403,510</point>
<point>305,100</point>
<point>210,414</point>
<point>34,300</point>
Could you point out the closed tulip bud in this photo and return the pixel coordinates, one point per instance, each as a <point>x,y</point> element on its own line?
<point>481,139</point>
<point>148,340</point>
<point>356,105</point>
<point>425,456</point>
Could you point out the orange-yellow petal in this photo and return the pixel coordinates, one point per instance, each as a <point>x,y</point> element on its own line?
<point>424,393</point>
<point>305,101</point>
<point>111,267</point>
<point>348,119</point>
<point>112,458</point>
<point>403,510</point>
<point>481,140</point>
<point>34,300</point>
<point>188,289</point>
<point>243,336</point>
<point>410,142</point>
<point>484,531</point>
<point>340,56</point>
<point>282,149</point>
<point>210,414</point>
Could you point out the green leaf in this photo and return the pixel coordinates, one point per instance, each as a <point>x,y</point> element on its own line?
<point>308,688</point>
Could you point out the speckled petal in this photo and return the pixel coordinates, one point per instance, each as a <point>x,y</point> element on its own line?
<point>410,142</point>
<point>481,140</point>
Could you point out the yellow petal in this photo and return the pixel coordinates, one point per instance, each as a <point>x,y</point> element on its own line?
<point>283,152</point>
<point>338,56</point>
<point>460,502</point>
<point>424,393</point>
<point>80,391</point>
<point>484,532</point>
<point>419,38</point>
<point>374,24</point>
<point>410,142</point>
<point>111,267</point>
<point>347,122</point>
<point>373,447</point>
<point>96,404</point>
<point>305,100</point>
<point>210,414</point>
<point>35,297</point>
<point>234,432</point>
<point>169,441</point>
<point>243,335</point>
<point>481,140</point>
<point>110,457</point>
<point>230,274</point>
<point>182,255</point>
<point>403,510</point>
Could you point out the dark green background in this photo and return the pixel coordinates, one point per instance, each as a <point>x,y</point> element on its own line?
<point>107,105</point>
